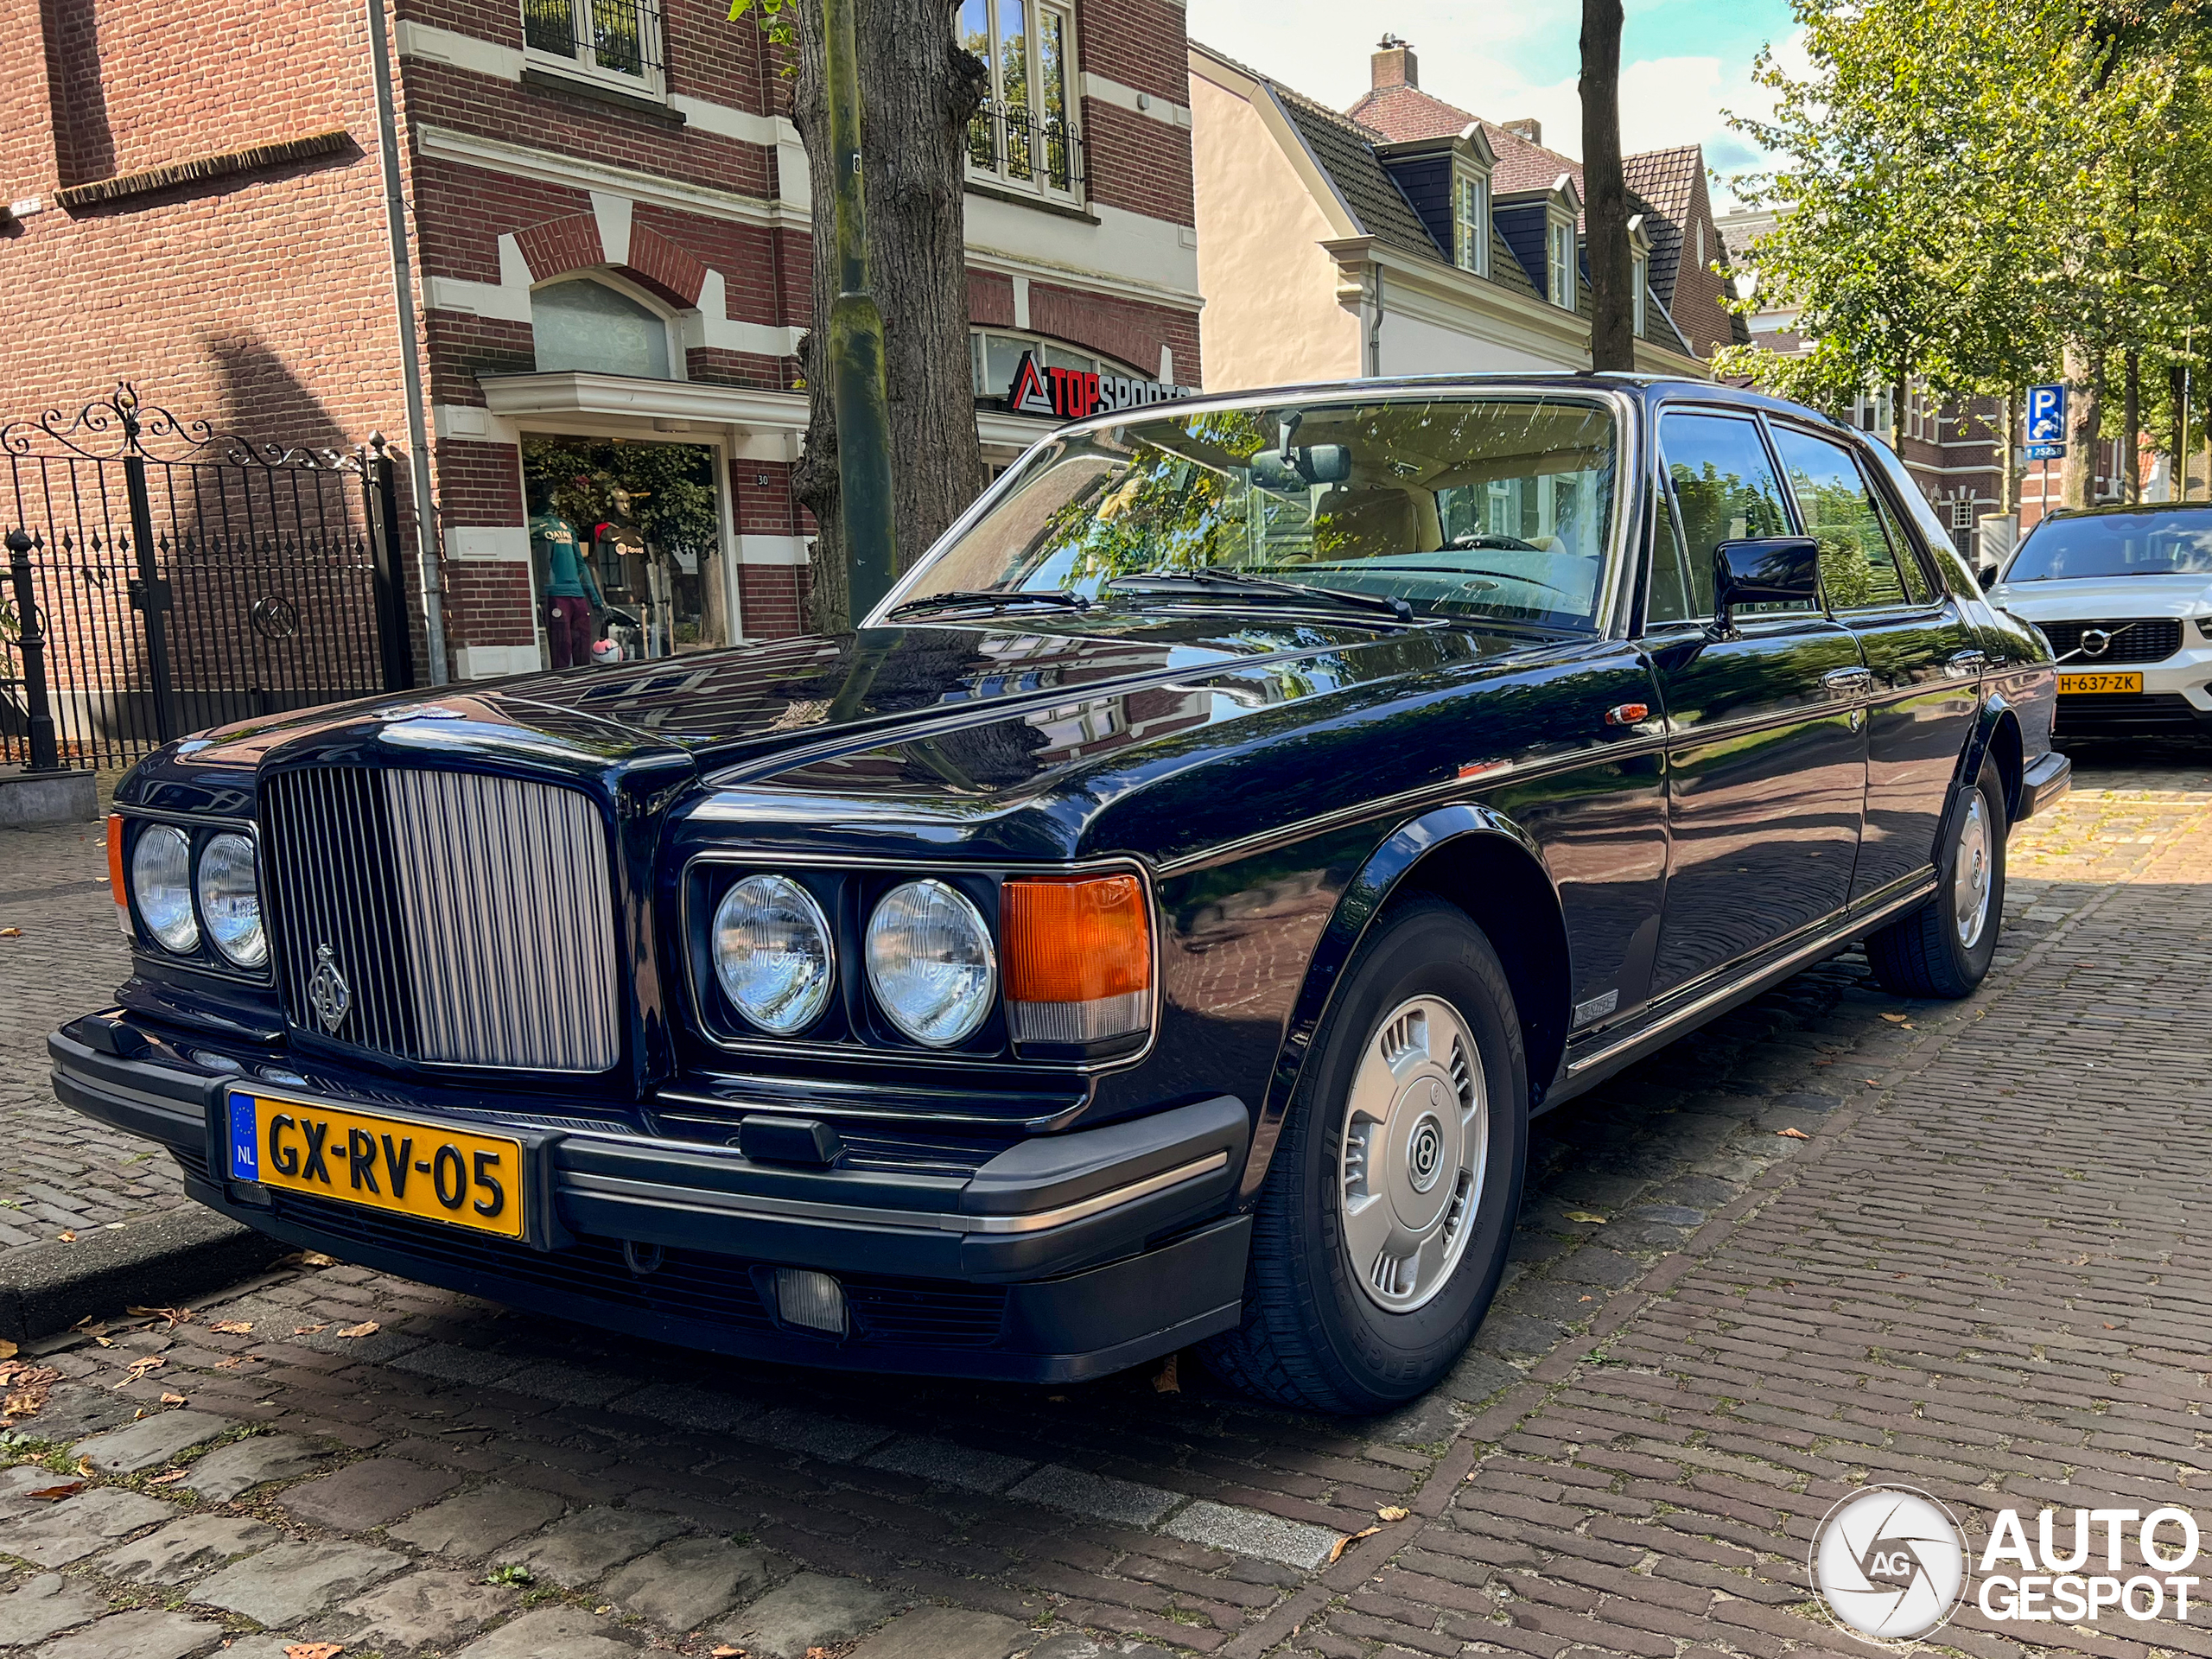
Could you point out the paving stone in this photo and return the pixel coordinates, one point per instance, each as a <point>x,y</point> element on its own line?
<point>222,1474</point>
<point>812,1610</point>
<point>947,1633</point>
<point>44,1606</point>
<point>294,1580</point>
<point>150,1441</point>
<point>927,1458</point>
<point>184,1549</point>
<point>452,1363</point>
<point>477,1523</point>
<point>367,1494</point>
<point>834,1440</point>
<point>1428,1420</point>
<point>1099,1495</point>
<point>577,1550</point>
<point>1074,1644</point>
<point>377,1346</point>
<point>551,1633</point>
<point>572,1385</point>
<point>683,1585</point>
<point>72,1412</point>
<point>1253,1532</point>
<point>688,1408</point>
<point>434,1608</point>
<point>74,1528</point>
<point>19,1482</point>
<point>145,1633</point>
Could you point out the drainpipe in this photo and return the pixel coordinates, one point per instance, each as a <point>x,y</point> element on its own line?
<point>411,362</point>
<point>1375,325</point>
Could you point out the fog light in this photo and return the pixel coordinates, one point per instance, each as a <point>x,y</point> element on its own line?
<point>813,1299</point>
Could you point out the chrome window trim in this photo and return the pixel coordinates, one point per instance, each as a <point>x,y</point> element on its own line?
<point>769,862</point>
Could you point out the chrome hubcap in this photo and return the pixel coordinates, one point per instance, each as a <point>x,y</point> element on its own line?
<point>1410,1168</point>
<point>1970,874</point>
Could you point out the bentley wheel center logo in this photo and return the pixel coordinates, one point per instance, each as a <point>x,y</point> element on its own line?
<point>1889,1562</point>
<point>328,993</point>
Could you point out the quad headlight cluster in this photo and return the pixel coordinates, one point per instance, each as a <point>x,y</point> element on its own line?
<point>1060,965</point>
<point>190,888</point>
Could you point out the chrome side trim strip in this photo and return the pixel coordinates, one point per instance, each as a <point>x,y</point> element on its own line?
<point>906,1221</point>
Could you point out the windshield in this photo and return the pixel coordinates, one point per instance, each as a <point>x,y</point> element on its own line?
<point>2118,544</point>
<point>1490,508</point>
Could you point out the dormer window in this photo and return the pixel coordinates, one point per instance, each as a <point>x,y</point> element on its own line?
<point>1471,221</point>
<point>1639,270</point>
<point>1559,263</point>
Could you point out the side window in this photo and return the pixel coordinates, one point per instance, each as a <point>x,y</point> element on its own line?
<point>1859,562</point>
<point>1726,490</point>
<point>1668,598</point>
<point>1910,567</point>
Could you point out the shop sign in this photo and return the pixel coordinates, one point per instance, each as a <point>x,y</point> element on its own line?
<point>1071,394</point>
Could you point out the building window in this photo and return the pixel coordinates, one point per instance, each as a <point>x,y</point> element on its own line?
<point>1962,514</point>
<point>993,357</point>
<point>588,326</point>
<point>1639,279</point>
<point>1559,264</point>
<point>1471,223</point>
<point>615,42</point>
<point>1025,132</point>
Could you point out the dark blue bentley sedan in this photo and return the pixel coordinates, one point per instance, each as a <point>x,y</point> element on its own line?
<point>1156,926</point>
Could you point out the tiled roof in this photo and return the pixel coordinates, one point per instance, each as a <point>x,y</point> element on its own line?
<point>1667,180</point>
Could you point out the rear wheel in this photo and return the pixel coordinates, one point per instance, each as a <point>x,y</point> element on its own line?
<point>1391,1196</point>
<point>1943,949</point>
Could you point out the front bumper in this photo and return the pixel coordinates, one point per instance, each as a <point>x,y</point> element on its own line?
<point>2047,779</point>
<point>1065,1256</point>
<point>2155,711</point>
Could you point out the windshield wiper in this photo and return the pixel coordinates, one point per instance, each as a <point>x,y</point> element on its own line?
<point>1059,599</point>
<point>1244,586</point>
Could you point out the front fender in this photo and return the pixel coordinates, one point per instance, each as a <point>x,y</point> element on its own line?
<point>1377,880</point>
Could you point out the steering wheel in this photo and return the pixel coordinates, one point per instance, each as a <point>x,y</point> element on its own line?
<point>1499,544</point>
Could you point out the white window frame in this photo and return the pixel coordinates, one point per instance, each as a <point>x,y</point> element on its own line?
<point>1471,220</point>
<point>1000,173</point>
<point>678,367</point>
<point>1559,262</point>
<point>583,64</point>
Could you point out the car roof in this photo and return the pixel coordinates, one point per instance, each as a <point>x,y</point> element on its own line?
<point>2122,509</point>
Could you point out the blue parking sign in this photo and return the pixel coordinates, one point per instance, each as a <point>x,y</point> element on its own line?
<point>2046,414</point>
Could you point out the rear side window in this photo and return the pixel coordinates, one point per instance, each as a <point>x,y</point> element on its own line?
<point>1726,490</point>
<point>1860,565</point>
<point>1668,599</point>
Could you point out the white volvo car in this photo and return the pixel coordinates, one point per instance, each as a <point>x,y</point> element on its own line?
<point>2125,595</point>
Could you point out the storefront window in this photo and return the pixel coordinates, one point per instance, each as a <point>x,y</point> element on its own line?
<point>591,327</point>
<point>995,357</point>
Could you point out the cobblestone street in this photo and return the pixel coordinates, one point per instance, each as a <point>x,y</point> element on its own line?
<point>1835,1237</point>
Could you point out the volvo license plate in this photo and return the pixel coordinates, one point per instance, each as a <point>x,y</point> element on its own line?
<point>430,1172</point>
<point>2072,684</point>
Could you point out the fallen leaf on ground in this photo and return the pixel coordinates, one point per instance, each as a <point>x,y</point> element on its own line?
<point>91,1325</point>
<point>1895,1019</point>
<point>105,1341</point>
<point>233,1363</point>
<point>365,1328</point>
<point>726,1652</point>
<point>1166,1381</point>
<point>233,1327</point>
<point>27,1387</point>
<point>312,1650</point>
<point>174,1474</point>
<point>84,1466</point>
<point>175,1316</point>
<point>317,1259</point>
<point>1349,1539</point>
<point>144,1363</point>
<point>55,1494</point>
<point>172,1399</point>
<point>1585,1215</point>
<point>1793,1135</point>
<point>66,1236</point>
<point>7,1350</point>
<point>11,932</point>
<point>1392,1512</point>
<point>308,1330</point>
<point>818,1653</point>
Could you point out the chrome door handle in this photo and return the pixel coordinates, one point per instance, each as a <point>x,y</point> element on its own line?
<point>1965,663</point>
<point>1848,682</point>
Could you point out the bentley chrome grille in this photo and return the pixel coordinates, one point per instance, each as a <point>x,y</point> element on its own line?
<point>445,916</point>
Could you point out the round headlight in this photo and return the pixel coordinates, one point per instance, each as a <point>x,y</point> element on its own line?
<point>772,953</point>
<point>930,962</point>
<point>160,880</point>
<point>230,899</point>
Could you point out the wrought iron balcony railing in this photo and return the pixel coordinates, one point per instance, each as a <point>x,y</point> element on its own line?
<point>620,40</point>
<point>1016,145</point>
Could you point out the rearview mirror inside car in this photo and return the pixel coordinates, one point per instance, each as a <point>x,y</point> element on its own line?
<point>1302,468</point>
<point>1765,570</point>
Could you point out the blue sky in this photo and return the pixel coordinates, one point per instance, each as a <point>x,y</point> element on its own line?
<point>1683,61</point>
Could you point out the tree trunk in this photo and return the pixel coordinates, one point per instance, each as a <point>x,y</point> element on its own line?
<point>2130,426</point>
<point>2008,481</point>
<point>1605,204</point>
<point>916,98</point>
<point>2085,376</point>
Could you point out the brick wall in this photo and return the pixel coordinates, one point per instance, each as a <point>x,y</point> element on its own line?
<point>1137,163</point>
<point>1127,330</point>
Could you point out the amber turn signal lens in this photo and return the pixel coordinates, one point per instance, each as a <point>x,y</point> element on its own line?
<point>115,881</point>
<point>1078,958</point>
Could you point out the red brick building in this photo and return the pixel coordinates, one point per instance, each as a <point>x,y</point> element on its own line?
<point>608,244</point>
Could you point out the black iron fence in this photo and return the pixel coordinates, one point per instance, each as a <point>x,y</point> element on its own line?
<point>620,37</point>
<point>1026,148</point>
<point>162,578</point>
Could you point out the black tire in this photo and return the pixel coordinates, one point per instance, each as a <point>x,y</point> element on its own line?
<point>1923,952</point>
<point>1311,1338</point>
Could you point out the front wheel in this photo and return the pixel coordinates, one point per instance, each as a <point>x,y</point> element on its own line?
<point>1391,1198</point>
<point>1944,948</point>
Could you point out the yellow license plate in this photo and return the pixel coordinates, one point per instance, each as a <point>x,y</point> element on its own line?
<point>432,1172</point>
<point>2076,683</point>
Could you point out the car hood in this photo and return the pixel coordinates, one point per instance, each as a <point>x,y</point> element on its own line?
<point>754,709</point>
<point>2096,599</point>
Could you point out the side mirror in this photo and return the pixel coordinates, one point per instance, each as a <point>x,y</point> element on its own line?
<point>1765,570</point>
<point>1988,577</point>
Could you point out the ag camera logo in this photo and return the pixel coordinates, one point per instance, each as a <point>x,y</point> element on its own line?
<point>1890,1563</point>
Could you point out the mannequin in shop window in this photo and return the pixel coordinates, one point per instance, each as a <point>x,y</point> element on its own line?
<point>571,590</point>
